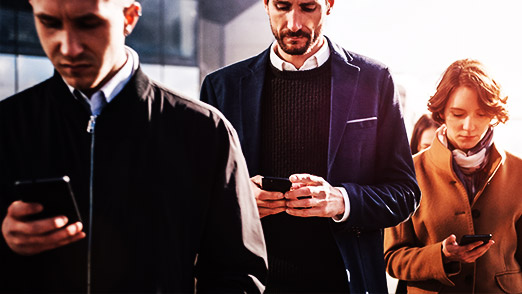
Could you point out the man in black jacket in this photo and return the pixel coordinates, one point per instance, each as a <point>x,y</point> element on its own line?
<point>160,181</point>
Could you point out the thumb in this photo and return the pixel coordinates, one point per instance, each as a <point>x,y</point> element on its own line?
<point>257,180</point>
<point>451,240</point>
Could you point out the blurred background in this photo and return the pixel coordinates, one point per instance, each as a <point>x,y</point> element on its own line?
<point>180,41</point>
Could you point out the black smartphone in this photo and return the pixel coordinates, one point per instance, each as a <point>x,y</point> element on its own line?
<point>276,184</point>
<point>468,239</point>
<point>55,194</point>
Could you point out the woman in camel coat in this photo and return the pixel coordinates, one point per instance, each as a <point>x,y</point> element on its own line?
<point>469,186</point>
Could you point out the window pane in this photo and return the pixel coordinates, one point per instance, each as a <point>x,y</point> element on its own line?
<point>166,33</point>
<point>7,77</point>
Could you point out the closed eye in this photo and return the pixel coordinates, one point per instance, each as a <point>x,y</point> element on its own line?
<point>49,21</point>
<point>309,7</point>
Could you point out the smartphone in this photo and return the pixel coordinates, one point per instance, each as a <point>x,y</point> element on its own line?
<point>55,194</point>
<point>276,184</point>
<point>468,239</point>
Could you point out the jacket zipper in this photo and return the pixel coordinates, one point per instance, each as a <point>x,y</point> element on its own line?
<point>90,130</point>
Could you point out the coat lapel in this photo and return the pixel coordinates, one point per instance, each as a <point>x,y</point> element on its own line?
<point>345,77</point>
<point>251,90</point>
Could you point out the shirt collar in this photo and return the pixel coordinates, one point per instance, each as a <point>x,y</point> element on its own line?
<point>314,61</point>
<point>114,86</point>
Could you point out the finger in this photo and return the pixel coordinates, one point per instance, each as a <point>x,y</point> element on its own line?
<point>267,211</point>
<point>39,227</point>
<point>451,240</point>
<point>482,248</point>
<point>296,186</point>
<point>63,236</point>
<point>472,256</point>
<point>479,244</point>
<point>306,179</point>
<point>270,195</point>
<point>20,209</point>
<point>314,191</point>
<point>257,180</point>
<point>271,204</point>
<point>33,244</point>
<point>307,212</point>
<point>300,203</point>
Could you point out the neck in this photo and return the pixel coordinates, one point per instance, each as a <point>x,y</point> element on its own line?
<point>299,60</point>
<point>118,66</point>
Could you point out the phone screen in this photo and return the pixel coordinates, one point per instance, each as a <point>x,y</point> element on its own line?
<point>468,239</point>
<point>276,184</point>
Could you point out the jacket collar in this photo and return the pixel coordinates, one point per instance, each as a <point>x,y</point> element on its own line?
<point>441,157</point>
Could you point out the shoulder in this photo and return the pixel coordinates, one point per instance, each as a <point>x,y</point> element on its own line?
<point>28,93</point>
<point>30,97</point>
<point>514,160</point>
<point>363,62</point>
<point>241,68</point>
<point>191,111</point>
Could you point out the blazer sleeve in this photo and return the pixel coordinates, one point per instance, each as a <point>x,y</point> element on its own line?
<point>207,93</point>
<point>232,257</point>
<point>391,193</point>
<point>406,260</point>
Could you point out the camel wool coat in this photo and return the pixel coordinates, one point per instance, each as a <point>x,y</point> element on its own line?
<point>413,249</point>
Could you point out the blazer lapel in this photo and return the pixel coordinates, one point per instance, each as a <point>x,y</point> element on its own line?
<point>251,90</point>
<point>345,77</point>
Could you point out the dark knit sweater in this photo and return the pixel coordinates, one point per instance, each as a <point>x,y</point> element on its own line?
<point>302,253</point>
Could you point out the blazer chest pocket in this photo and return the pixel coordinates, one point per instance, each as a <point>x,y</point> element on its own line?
<point>358,146</point>
<point>361,123</point>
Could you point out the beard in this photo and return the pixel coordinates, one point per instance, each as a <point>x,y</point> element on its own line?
<point>292,48</point>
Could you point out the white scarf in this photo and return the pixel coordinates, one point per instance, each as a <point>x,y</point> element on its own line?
<point>467,161</point>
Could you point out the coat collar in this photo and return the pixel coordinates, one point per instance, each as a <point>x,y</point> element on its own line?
<point>441,157</point>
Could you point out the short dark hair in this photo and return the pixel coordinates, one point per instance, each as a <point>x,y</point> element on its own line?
<point>470,73</point>
<point>425,122</point>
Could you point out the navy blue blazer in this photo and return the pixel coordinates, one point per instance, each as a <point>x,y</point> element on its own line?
<point>368,152</point>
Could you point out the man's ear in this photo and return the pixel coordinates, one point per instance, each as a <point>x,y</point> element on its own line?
<point>131,13</point>
<point>265,3</point>
<point>329,5</point>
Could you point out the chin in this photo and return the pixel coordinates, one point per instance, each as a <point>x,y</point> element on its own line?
<point>467,146</point>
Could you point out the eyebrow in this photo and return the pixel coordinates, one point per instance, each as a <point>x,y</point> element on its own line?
<point>43,16</point>
<point>85,17</point>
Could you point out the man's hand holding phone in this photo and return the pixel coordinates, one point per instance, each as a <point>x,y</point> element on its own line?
<point>268,202</point>
<point>45,218</point>
<point>29,237</point>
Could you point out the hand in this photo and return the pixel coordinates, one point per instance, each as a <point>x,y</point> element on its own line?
<point>465,254</point>
<point>268,202</point>
<point>32,237</point>
<point>325,200</point>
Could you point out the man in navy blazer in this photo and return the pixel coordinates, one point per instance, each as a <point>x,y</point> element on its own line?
<point>328,119</point>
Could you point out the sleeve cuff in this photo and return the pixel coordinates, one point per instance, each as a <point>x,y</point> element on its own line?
<point>342,218</point>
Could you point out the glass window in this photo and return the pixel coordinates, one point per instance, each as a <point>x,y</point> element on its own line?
<point>7,78</point>
<point>167,32</point>
<point>17,31</point>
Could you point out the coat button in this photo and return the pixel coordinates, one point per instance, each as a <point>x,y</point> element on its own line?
<point>475,213</point>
